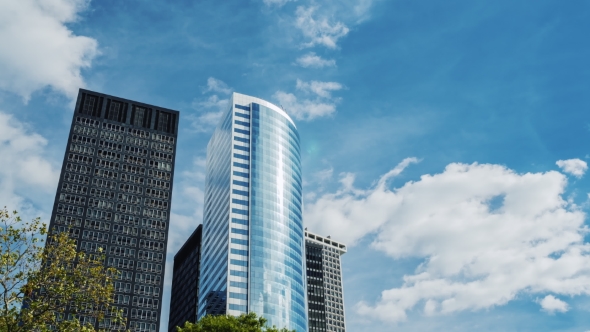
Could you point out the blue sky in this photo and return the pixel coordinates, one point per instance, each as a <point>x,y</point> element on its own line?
<point>443,141</point>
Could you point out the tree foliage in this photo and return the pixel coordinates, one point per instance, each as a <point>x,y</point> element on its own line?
<point>225,323</point>
<point>49,285</point>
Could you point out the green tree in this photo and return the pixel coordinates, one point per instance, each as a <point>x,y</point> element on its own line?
<point>243,323</point>
<point>50,286</point>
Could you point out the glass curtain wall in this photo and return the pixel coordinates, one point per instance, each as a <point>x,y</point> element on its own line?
<point>277,285</point>
<point>253,238</point>
<point>213,282</point>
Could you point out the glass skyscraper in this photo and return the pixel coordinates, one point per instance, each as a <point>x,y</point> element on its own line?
<point>253,238</point>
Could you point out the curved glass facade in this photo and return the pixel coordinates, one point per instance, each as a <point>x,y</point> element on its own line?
<point>253,238</point>
<point>277,288</point>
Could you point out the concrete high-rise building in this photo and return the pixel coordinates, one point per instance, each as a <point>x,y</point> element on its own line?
<point>114,193</point>
<point>253,240</point>
<point>185,282</point>
<point>325,293</point>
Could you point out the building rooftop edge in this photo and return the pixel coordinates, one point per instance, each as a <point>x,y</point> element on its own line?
<point>269,105</point>
<point>186,244</point>
<point>325,241</point>
<point>128,100</point>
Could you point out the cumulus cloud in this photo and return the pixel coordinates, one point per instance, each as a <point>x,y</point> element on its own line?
<point>39,50</point>
<point>324,175</point>
<point>322,89</point>
<point>319,31</point>
<point>552,304</point>
<point>315,61</point>
<point>210,109</point>
<point>340,214</point>
<point>325,23</point>
<point>575,167</point>
<point>210,112</point>
<point>317,103</point>
<point>306,109</point>
<point>361,9</point>
<point>23,166</point>
<point>216,85</point>
<point>484,232</point>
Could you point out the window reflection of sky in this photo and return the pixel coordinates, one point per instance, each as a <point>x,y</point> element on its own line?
<point>276,250</point>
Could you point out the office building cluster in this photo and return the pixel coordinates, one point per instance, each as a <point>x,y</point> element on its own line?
<point>251,254</point>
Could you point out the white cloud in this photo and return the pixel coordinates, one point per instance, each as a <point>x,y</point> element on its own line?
<point>215,85</point>
<point>485,234</point>
<point>575,167</point>
<point>325,23</point>
<point>23,166</point>
<point>209,113</point>
<point>320,105</point>
<point>552,304</point>
<point>340,214</point>
<point>319,31</point>
<point>211,109</point>
<point>312,60</point>
<point>305,110</point>
<point>322,89</point>
<point>361,10</point>
<point>38,50</point>
<point>324,175</point>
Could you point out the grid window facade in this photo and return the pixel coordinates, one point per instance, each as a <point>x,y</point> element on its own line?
<point>103,200</point>
<point>325,293</point>
<point>315,288</point>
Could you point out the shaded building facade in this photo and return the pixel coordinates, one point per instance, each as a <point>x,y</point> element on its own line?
<point>185,282</point>
<point>325,294</point>
<point>253,242</point>
<point>114,193</point>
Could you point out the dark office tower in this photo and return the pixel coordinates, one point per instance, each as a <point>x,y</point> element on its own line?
<point>325,300</point>
<point>185,282</point>
<point>114,192</point>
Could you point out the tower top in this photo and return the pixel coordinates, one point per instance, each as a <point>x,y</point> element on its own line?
<point>326,241</point>
<point>237,97</point>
